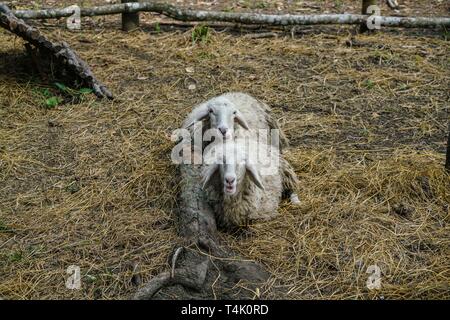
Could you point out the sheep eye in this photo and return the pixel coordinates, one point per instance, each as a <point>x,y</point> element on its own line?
<point>234,112</point>
<point>211,111</point>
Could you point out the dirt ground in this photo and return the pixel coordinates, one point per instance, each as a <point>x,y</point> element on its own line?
<point>90,182</point>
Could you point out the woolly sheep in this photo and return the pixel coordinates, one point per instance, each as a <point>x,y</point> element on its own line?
<point>233,114</point>
<point>240,187</point>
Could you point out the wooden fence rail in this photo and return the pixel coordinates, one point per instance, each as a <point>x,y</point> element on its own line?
<point>234,17</point>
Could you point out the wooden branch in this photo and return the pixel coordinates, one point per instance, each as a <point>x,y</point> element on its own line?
<point>243,18</point>
<point>62,53</point>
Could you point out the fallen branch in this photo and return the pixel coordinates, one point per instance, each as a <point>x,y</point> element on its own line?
<point>243,18</point>
<point>44,48</point>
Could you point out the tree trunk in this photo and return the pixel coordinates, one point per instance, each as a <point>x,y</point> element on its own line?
<point>130,21</point>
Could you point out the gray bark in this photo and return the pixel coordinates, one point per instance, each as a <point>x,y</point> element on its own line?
<point>243,18</point>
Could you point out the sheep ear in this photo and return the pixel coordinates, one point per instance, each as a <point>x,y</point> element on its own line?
<point>240,119</point>
<point>208,174</point>
<point>254,175</point>
<point>200,116</point>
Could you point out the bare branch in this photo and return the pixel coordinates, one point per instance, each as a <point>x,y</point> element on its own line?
<point>243,18</point>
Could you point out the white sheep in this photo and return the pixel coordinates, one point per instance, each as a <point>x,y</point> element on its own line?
<point>233,114</point>
<point>242,180</point>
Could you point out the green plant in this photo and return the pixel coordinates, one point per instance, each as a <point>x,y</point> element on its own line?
<point>369,84</point>
<point>157,27</point>
<point>261,5</point>
<point>60,93</point>
<point>445,33</point>
<point>200,33</point>
<point>16,256</point>
<point>3,227</point>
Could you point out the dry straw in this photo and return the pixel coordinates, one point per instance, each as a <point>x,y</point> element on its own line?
<point>91,183</point>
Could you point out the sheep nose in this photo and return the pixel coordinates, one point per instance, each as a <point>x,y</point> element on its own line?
<point>223,130</point>
<point>230,180</point>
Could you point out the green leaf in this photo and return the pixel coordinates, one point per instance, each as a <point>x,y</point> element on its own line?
<point>46,93</point>
<point>52,102</point>
<point>61,86</point>
<point>85,90</point>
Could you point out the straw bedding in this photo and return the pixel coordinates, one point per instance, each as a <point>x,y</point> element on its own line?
<point>90,182</point>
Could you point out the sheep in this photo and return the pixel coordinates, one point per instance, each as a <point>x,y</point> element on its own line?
<point>240,187</point>
<point>224,111</point>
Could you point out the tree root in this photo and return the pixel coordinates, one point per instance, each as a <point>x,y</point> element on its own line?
<point>191,277</point>
<point>202,268</point>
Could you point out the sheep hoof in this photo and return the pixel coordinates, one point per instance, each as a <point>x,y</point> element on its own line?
<point>294,199</point>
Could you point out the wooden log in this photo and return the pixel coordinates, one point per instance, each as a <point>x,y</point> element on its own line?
<point>242,18</point>
<point>61,53</point>
<point>130,21</point>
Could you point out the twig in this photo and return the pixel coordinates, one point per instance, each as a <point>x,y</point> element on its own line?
<point>174,260</point>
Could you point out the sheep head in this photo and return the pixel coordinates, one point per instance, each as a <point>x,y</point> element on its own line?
<point>222,115</point>
<point>231,167</point>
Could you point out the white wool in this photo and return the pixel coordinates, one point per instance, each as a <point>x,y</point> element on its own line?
<point>250,202</point>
